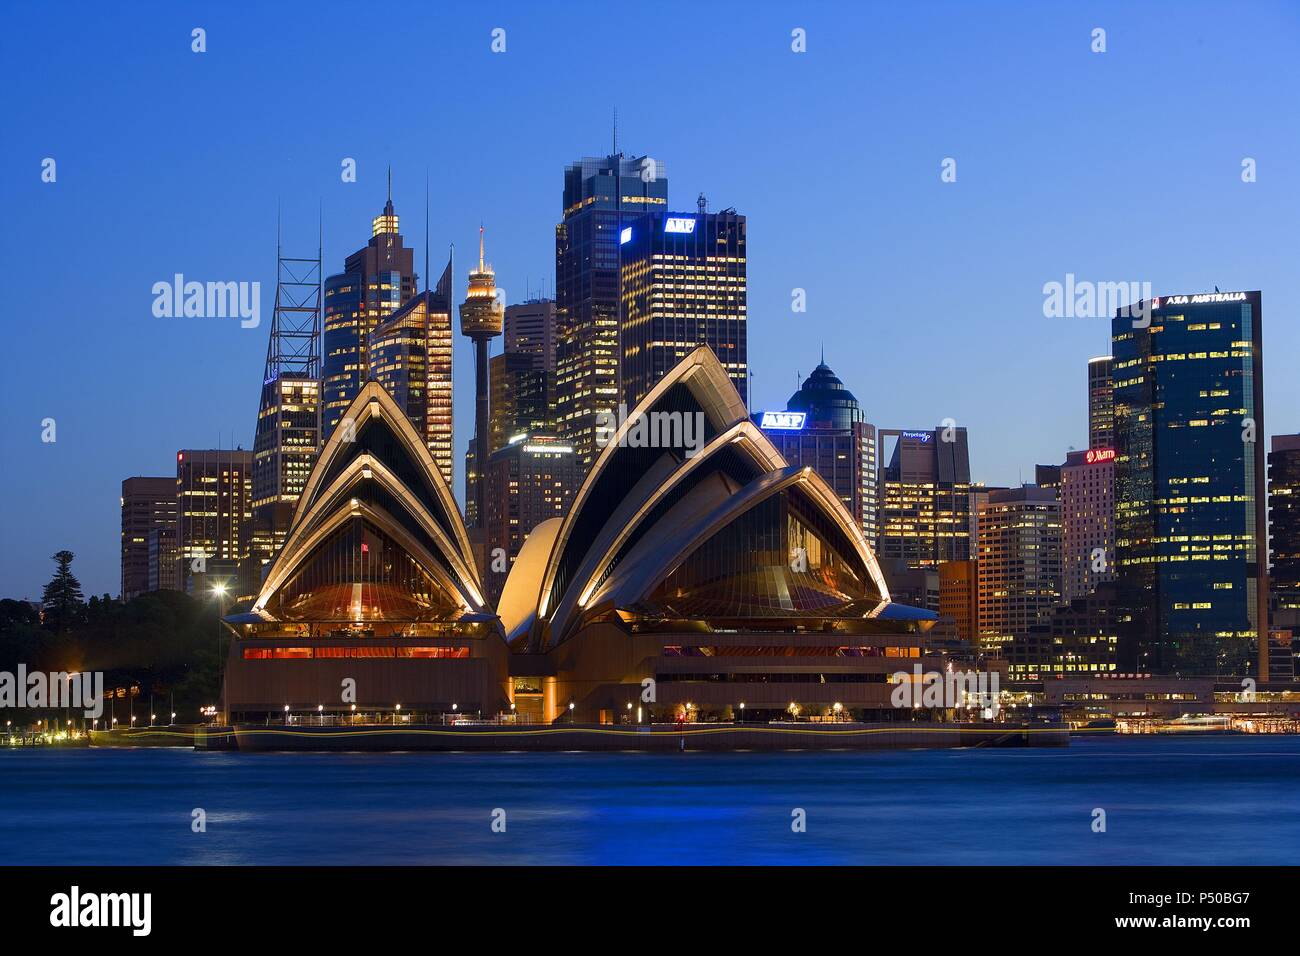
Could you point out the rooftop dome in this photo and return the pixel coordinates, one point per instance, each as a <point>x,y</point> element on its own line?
<point>826,400</point>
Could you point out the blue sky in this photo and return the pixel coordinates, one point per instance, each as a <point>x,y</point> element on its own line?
<point>1123,165</point>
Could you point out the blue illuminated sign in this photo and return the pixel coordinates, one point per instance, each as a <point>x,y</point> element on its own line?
<point>625,236</point>
<point>919,436</point>
<point>673,224</point>
<point>784,421</point>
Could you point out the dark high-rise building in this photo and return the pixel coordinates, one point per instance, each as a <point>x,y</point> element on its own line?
<point>923,516</point>
<point>530,330</point>
<point>375,281</point>
<point>521,398</point>
<point>481,317</point>
<point>148,504</point>
<point>162,556</point>
<point>1019,569</point>
<point>824,426</point>
<point>1190,526</point>
<point>1079,639</point>
<point>684,285</point>
<point>214,520</point>
<point>1048,476</point>
<point>602,195</point>
<point>1284,521</point>
<point>410,355</point>
<point>1101,407</point>
<point>471,486</point>
<point>533,478</point>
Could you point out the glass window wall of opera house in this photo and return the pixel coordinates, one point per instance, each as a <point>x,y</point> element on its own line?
<point>705,583</point>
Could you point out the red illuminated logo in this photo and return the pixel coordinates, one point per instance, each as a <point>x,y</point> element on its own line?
<point>1097,455</point>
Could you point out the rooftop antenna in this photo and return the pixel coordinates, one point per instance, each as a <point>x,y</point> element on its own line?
<point>702,203</point>
<point>426,226</point>
<point>615,153</point>
<point>390,182</point>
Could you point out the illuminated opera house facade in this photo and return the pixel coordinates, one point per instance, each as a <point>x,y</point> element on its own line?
<point>707,582</point>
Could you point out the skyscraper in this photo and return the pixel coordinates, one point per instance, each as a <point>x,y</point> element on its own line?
<point>602,195</point>
<point>529,329</point>
<point>684,285</point>
<point>1087,494</point>
<point>1019,571</point>
<point>163,561</point>
<point>531,479</point>
<point>1101,407</point>
<point>287,437</point>
<point>959,597</point>
<point>375,281</point>
<point>148,504</point>
<point>1190,527</point>
<point>923,516</point>
<point>480,321</point>
<point>214,518</point>
<point>824,426</point>
<point>521,398</point>
<point>409,353</point>
<point>1284,520</point>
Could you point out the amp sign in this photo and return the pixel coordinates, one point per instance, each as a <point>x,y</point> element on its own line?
<point>784,421</point>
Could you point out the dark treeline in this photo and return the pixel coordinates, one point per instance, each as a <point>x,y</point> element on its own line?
<point>165,643</point>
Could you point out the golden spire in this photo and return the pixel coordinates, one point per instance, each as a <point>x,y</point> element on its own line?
<point>480,247</point>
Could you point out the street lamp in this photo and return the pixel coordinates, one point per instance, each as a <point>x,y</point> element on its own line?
<point>571,711</point>
<point>742,711</point>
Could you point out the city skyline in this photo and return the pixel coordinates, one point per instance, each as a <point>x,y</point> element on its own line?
<point>946,278</point>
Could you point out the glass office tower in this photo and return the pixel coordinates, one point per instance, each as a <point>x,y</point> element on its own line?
<point>1101,405</point>
<point>601,196</point>
<point>1190,528</point>
<point>1284,519</point>
<point>375,281</point>
<point>923,515</point>
<point>684,285</point>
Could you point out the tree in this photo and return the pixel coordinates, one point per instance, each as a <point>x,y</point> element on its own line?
<point>62,599</point>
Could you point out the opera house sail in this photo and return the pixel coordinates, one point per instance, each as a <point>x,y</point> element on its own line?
<point>701,581</point>
<point>374,600</point>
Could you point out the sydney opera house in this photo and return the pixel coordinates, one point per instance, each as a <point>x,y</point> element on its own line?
<point>712,582</point>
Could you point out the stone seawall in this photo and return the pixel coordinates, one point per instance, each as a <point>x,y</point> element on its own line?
<point>665,738</point>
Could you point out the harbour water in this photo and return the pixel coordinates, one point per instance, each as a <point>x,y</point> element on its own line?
<point>1183,800</point>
